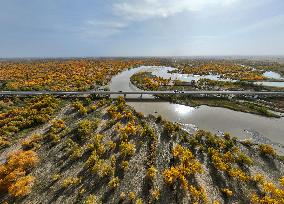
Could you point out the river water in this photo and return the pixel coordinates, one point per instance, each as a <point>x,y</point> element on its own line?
<point>214,119</point>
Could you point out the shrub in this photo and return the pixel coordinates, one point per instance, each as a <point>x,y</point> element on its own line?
<point>113,160</point>
<point>103,168</point>
<point>193,142</point>
<point>140,115</point>
<point>198,194</point>
<point>122,196</point>
<point>13,173</point>
<point>267,150</point>
<point>124,165</point>
<point>93,107</point>
<point>53,137</point>
<point>171,127</point>
<point>227,136</point>
<point>127,149</point>
<point>244,159</point>
<point>21,187</point>
<point>93,158</point>
<point>155,194</point>
<point>129,129</point>
<point>239,174</point>
<point>58,124</point>
<point>281,180</point>
<point>139,201</point>
<point>227,192</point>
<point>71,181</point>
<point>149,132</point>
<point>57,129</point>
<point>4,142</point>
<point>55,177</point>
<point>123,137</point>
<point>127,114</point>
<point>270,194</point>
<point>110,123</point>
<point>113,183</point>
<point>159,119</point>
<point>85,127</point>
<point>132,196</point>
<point>120,100</point>
<point>247,143</point>
<point>80,107</point>
<point>111,145</point>
<point>97,144</point>
<point>258,178</point>
<point>218,160</point>
<point>151,172</point>
<point>74,150</point>
<point>92,199</point>
<point>32,142</point>
<point>22,160</point>
<point>187,166</point>
<point>81,191</point>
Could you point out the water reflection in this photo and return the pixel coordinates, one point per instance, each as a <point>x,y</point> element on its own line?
<point>272,75</point>
<point>183,110</point>
<point>213,119</point>
<point>166,72</point>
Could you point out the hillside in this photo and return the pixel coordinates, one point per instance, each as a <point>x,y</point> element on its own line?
<point>102,151</point>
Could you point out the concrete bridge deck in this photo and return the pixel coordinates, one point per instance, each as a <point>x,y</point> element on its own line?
<point>102,93</point>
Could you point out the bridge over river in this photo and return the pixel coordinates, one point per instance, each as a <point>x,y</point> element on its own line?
<point>140,93</point>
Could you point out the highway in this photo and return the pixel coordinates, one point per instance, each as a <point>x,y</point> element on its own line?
<point>94,92</point>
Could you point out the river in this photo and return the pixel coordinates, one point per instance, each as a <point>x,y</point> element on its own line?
<point>214,119</point>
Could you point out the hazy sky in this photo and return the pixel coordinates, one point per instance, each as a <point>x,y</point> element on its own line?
<point>62,28</point>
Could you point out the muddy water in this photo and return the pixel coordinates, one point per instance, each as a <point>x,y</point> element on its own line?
<point>214,119</point>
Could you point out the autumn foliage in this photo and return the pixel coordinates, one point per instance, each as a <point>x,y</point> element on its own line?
<point>146,80</point>
<point>224,69</point>
<point>73,74</point>
<point>14,177</point>
<point>35,111</point>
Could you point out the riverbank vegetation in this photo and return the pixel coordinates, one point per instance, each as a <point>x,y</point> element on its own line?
<point>266,65</point>
<point>113,154</point>
<point>244,69</point>
<point>225,69</point>
<point>208,84</point>
<point>245,104</point>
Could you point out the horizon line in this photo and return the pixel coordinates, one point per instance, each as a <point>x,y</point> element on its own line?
<point>139,56</point>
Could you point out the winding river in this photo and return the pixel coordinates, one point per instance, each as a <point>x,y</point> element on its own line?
<point>214,119</point>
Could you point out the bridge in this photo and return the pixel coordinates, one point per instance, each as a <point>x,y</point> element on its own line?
<point>124,93</point>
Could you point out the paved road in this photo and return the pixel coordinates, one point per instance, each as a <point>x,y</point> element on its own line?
<point>66,93</point>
